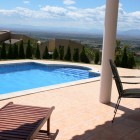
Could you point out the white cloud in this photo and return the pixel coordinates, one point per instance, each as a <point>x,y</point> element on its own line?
<point>26,1</point>
<point>7,12</point>
<point>72,8</point>
<point>69,2</point>
<point>54,9</point>
<point>70,17</point>
<point>128,20</point>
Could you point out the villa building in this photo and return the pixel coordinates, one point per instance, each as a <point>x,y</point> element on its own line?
<point>4,35</point>
<point>55,43</point>
<point>10,38</point>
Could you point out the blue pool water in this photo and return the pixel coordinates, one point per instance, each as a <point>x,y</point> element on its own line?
<point>29,75</point>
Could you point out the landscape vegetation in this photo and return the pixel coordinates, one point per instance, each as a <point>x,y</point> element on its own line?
<point>125,53</point>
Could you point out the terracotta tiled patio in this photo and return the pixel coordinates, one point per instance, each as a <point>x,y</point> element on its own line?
<point>79,115</point>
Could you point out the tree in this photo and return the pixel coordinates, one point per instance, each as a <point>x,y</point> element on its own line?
<point>68,54</point>
<point>118,53</point>
<point>37,54</point>
<point>29,50</point>
<point>46,54</point>
<point>96,57</point>
<point>55,54</point>
<point>15,51</point>
<point>83,56</point>
<point>10,52</point>
<point>76,55</point>
<point>61,52</point>
<point>21,50</point>
<point>124,61</point>
<point>3,51</point>
<point>118,43</point>
<point>131,60</point>
<point>117,59</point>
<point>90,52</point>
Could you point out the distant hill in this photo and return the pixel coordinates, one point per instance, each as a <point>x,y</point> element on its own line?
<point>130,33</point>
<point>69,32</point>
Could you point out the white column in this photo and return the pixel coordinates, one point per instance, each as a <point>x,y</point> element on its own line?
<point>109,41</point>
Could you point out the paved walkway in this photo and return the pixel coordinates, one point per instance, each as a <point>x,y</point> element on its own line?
<point>79,115</point>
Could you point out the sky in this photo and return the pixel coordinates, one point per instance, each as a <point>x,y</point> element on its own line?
<point>77,14</point>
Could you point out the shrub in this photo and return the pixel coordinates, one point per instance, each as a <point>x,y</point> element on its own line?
<point>96,57</point>
<point>118,44</point>
<point>37,54</point>
<point>46,54</point>
<point>76,55</point>
<point>89,51</point>
<point>15,51</point>
<point>117,59</point>
<point>29,50</point>
<point>68,54</point>
<point>21,50</point>
<point>131,60</point>
<point>3,51</point>
<point>83,56</point>
<point>10,52</point>
<point>61,52</point>
<point>124,61</point>
<point>55,54</point>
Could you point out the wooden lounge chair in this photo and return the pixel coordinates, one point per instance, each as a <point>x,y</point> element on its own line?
<point>123,93</point>
<point>20,122</point>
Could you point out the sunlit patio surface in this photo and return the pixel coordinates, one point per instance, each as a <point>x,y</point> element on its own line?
<point>79,115</point>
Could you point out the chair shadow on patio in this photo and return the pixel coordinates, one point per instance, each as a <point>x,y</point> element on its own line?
<point>23,132</point>
<point>125,127</point>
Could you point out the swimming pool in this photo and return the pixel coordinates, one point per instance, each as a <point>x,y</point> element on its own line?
<point>29,75</point>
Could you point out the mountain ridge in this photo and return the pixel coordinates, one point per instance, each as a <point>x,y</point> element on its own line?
<point>134,33</point>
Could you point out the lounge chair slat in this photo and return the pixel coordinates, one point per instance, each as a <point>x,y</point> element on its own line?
<point>36,115</point>
<point>12,137</point>
<point>26,110</point>
<point>26,106</point>
<point>7,138</point>
<point>2,128</point>
<point>21,119</point>
<point>16,132</point>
